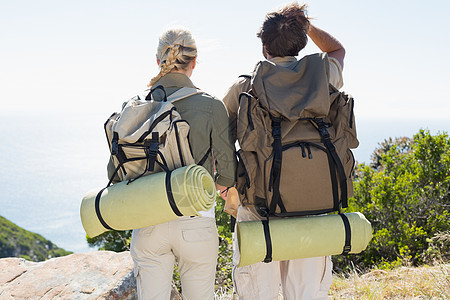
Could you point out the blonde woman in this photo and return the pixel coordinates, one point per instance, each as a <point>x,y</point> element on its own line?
<point>191,241</point>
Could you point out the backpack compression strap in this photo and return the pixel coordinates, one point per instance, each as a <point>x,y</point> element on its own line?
<point>348,235</point>
<point>276,166</point>
<point>170,198</point>
<point>97,210</point>
<point>152,151</point>
<point>169,193</point>
<point>322,128</point>
<point>268,239</point>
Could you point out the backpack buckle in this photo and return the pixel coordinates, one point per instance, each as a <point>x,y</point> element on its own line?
<point>263,211</point>
<point>114,147</point>
<point>153,151</point>
<point>324,133</point>
<point>276,132</point>
<point>267,260</point>
<point>276,127</point>
<point>347,249</point>
<point>115,144</point>
<point>322,128</point>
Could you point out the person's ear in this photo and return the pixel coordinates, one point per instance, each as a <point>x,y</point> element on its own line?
<point>194,63</point>
<point>265,53</point>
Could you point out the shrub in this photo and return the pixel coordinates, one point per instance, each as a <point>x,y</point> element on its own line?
<point>405,194</point>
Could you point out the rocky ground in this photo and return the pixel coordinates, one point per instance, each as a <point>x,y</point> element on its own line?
<point>94,275</point>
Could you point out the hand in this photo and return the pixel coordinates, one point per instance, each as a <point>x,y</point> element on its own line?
<point>223,191</point>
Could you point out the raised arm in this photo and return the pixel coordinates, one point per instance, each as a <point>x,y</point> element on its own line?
<point>327,43</point>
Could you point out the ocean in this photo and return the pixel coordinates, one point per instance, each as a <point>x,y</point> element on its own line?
<point>49,161</point>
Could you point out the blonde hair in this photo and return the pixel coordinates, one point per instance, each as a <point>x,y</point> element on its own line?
<point>176,49</point>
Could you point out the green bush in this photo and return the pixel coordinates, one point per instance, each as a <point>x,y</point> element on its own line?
<point>224,264</point>
<point>116,241</point>
<point>405,194</point>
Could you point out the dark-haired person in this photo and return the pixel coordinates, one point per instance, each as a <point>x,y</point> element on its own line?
<point>283,34</point>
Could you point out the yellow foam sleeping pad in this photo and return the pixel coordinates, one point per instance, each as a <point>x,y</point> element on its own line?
<point>149,200</point>
<point>302,237</point>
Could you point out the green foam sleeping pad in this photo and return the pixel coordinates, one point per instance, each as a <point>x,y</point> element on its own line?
<point>145,202</point>
<point>301,237</point>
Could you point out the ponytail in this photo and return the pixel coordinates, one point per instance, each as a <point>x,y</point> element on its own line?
<point>176,49</point>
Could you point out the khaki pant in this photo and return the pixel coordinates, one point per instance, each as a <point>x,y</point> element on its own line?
<point>299,279</point>
<point>193,242</point>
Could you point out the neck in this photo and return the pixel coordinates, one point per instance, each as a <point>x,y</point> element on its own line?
<point>187,72</point>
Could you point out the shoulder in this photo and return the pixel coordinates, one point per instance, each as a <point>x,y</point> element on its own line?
<point>332,67</point>
<point>203,101</point>
<point>336,78</point>
<point>207,98</point>
<point>216,104</point>
<point>244,81</point>
<point>242,84</point>
<point>334,63</point>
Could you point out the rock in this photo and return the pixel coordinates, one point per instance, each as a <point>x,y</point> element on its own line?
<point>93,275</point>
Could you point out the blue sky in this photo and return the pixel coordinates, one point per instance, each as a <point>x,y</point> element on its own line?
<point>72,56</point>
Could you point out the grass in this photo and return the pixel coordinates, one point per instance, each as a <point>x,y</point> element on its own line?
<point>402,283</point>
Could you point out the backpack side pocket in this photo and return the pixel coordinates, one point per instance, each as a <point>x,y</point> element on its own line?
<point>246,173</point>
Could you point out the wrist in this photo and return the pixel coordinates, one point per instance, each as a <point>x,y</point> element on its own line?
<point>310,29</point>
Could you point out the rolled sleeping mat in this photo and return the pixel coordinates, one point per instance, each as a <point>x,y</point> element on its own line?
<point>302,237</point>
<point>149,200</point>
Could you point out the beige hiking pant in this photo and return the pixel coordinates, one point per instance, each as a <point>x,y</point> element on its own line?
<point>193,242</point>
<point>299,279</point>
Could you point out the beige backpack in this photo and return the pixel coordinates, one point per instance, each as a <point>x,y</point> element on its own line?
<point>295,132</point>
<point>149,135</point>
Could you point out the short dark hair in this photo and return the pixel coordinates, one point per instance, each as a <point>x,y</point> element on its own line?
<point>284,32</point>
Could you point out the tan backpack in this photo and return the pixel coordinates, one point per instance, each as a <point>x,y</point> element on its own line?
<point>149,135</point>
<point>295,132</point>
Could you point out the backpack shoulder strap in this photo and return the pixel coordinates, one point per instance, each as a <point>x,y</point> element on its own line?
<point>182,93</point>
<point>245,76</point>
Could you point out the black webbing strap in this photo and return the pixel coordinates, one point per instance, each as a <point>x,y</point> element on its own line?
<point>161,88</point>
<point>245,76</point>
<point>342,179</point>
<point>232,223</point>
<point>340,168</point>
<point>204,158</point>
<point>268,257</point>
<point>153,151</point>
<point>276,165</point>
<point>117,151</point>
<point>170,194</point>
<point>334,181</point>
<point>348,235</point>
<point>97,210</point>
<point>115,143</point>
<point>114,174</point>
<point>249,109</point>
<point>177,136</point>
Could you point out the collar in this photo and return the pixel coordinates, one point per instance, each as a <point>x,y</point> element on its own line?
<point>174,80</point>
<point>284,61</point>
